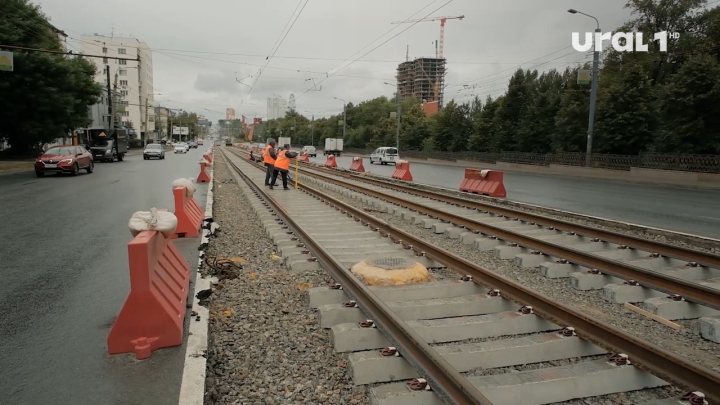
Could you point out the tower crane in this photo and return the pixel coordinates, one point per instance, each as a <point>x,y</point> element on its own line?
<point>442,28</point>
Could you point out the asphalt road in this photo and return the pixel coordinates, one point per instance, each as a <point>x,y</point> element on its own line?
<point>65,278</point>
<point>688,210</point>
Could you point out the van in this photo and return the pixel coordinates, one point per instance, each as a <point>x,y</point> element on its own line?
<point>310,150</point>
<point>385,155</point>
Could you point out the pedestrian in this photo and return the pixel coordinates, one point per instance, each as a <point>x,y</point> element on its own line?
<point>269,156</point>
<point>282,165</point>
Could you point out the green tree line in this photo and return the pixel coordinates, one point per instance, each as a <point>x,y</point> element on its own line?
<point>663,102</point>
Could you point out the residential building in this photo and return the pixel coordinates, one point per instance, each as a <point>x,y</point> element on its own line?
<point>134,78</point>
<point>230,114</point>
<point>62,37</point>
<point>276,107</point>
<point>291,102</point>
<point>161,122</point>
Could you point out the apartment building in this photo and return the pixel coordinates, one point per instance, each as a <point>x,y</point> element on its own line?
<point>276,107</point>
<point>134,78</point>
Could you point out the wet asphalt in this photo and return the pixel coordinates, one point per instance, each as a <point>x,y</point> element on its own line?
<point>63,250</point>
<point>679,209</point>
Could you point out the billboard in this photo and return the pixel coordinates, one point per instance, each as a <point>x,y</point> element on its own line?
<point>181,131</point>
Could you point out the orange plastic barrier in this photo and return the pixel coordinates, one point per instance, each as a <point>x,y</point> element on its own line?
<point>304,157</point>
<point>208,156</point>
<point>330,162</point>
<point>203,177</point>
<point>357,165</point>
<point>188,213</point>
<point>152,316</point>
<point>402,171</point>
<point>491,184</point>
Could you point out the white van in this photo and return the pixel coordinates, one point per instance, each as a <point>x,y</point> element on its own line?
<point>310,150</point>
<point>385,155</point>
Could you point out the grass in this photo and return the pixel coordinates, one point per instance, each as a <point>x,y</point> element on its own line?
<point>15,165</point>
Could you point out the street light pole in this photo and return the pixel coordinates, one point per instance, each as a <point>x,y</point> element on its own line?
<point>344,115</point>
<point>593,88</point>
<point>397,133</point>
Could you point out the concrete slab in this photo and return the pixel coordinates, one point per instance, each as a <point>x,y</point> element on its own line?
<point>455,232</point>
<point>537,387</point>
<point>527,260</point>
<point>480,326</point>
<point>622,293</point>
<point>350,337</point>
<point>586,281</point>
<point>709,328</point>
<point>509,252</point>
<point>670,309</point>
<point>370,367</point>
<point>436,308</point>
<point>485,244</point>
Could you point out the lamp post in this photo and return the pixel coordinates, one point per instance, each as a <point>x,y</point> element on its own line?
<point>344,116</point>
<point>593,89</point>
<point>397,95</point>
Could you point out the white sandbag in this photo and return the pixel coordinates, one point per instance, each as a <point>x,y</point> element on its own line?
<point>484,173</point>
<point>187,183</point>
<point>164,222</point>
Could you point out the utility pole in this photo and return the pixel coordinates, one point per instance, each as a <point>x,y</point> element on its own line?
<point>109,97</point>
<point>593,98</point>
<point>344,120</point>
<point>146,122</point>
<point>312,131</point>
<point>397,134</point>
<point>114,104</point>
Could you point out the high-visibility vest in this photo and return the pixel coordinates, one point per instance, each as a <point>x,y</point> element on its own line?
<point>266,156</point>
<point>282,162</point>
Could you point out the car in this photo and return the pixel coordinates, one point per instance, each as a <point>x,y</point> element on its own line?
<point>180,148</point>
<point>193,145</point>
<point>154,150</point>
<point>385,155</point>
<point>309,150</point>
<point>64,159</point>
<point>199,141</point>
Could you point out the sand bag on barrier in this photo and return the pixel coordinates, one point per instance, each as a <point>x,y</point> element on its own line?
<point>187,183</point>
<point>162,221</point>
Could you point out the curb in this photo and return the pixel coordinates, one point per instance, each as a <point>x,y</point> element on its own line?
<point>192,389</point>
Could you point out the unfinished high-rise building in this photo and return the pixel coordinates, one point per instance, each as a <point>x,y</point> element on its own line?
<point>422,79</point>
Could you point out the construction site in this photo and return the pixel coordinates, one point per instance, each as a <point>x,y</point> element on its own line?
<point>422,79</point>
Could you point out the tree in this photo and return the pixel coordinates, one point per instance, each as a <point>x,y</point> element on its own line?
<point>47,96</point>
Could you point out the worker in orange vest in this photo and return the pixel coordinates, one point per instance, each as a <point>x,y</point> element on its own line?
<point>269,156</point>
<point>282,165</point>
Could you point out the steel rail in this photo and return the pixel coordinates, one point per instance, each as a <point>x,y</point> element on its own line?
<point>682,253</point>
<point>442,377</point>
<point>689,290</point>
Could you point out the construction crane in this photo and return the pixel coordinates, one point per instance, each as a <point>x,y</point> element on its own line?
<point>442,28</point>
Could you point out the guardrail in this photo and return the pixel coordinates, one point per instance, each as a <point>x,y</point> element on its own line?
<point>677,162</point>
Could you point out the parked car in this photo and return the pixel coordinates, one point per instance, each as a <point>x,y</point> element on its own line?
<point>199,141</point>
<point>181,148</point>
<point>385,155</point>
<point>154,150</point>
<point>310,150</point>
<point>64,159</point>
<point>193,145</point>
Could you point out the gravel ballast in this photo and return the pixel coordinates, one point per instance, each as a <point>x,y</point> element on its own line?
<point>265,343</point>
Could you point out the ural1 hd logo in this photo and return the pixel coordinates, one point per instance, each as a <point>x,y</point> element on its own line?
<point>661,37</point>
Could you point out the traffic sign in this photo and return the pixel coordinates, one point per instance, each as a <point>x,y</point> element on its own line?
<point>6,61</point>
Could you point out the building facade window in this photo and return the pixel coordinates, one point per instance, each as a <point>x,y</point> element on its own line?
<point>104,50</point>
<point>126,113</point>
<point>121,51</point>
<point>122,62</point>
<point>105,61</point>
<point>122,72</point>
<point>123,92</point>
<point>123,82</point>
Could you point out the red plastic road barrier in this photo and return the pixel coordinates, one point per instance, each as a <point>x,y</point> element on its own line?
<point>357,165</point>
<point>208,156</point>
<point>402,171</point>
<point>330,162</point>
<point>203,177</point>
<point>491,184</point>
<point>304,157</point>
<point>188,213</point>
<point>152,316</point>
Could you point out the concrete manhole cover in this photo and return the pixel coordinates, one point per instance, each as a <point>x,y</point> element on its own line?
<point>390,263</point>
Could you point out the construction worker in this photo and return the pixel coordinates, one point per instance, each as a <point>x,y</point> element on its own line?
<point>282,165</point>
<point>269,156</point>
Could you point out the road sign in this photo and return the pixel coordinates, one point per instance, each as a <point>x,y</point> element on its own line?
<point>584,76</point>
<point>6,61</point>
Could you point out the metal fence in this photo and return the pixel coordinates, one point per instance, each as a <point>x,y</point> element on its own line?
<point>679,162</point>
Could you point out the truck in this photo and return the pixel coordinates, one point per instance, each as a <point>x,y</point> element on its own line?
<point>284,140</point>
<point>107,144</point>
<point>333,146</point>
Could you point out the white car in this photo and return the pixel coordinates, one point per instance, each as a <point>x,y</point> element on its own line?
<point>310,150</point>
<point>181,148</point>
<point>385,155</point>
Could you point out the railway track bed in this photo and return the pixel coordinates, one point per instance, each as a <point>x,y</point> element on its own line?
<point>494,344</point>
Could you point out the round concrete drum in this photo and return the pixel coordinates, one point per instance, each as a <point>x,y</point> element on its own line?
<point>391,271</point>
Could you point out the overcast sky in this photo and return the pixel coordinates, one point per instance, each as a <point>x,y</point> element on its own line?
<point>201,48</point>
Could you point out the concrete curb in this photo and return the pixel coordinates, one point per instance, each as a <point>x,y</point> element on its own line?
<point>192,390</point>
